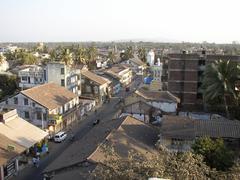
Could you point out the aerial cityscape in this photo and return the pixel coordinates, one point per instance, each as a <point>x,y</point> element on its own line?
<point>119,90</point>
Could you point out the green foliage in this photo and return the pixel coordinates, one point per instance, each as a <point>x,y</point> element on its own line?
<point>8,85</point>
<point>27,58</point>
<point>215,153</point>
<point>142,54</point>
<point>163,165</point>
<point>219,82</point>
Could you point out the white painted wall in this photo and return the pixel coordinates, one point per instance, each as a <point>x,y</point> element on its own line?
<point>165,106</point>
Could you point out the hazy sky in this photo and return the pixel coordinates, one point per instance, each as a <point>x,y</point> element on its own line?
<point>104,20</point>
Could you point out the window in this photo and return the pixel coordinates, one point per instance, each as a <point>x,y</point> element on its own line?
<point>39,115</point>
<point>26,114</point>
<point>25,101</point>
<point>62,70</point>
<point>33,104</point>
<point>15,100</point>
<point>62,82</point>
<point>24,78</point>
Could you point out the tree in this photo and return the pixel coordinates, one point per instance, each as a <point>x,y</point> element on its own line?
<point>8,85</point>
<point>26,58</point>
<point>91,57</point>
<point>66,56</point>
<point>80,56</point>
<point>142,54</point>
<point>129,52</point>
<point>1,59</point>
<point>219,82</point>
<point>215,153</point>
<point>163,165</point>
<point>111,56</point>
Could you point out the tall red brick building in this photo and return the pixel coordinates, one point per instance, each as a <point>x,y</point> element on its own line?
<point>185,74</point>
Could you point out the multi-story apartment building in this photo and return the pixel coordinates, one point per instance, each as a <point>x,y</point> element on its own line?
<point>30,76</point>
<point>47,105</point>
<point>122,72</point>
<point>57,72</point>
<point>64,75</point>
<point>186,74</point>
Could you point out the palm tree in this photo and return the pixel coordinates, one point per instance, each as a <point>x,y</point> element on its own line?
<point>219,82</point>
<point>66,56</point>
<point>142,54</point>
<point>111,56</point>
<point>91,56</point>
<point>80,56</point>
<point>129,52</point>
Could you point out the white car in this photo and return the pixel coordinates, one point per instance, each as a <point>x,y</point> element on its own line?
<point>60,136</point>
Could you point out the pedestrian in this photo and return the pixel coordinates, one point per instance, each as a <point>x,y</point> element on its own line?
<point>34,161</point>
<point>37,162</point>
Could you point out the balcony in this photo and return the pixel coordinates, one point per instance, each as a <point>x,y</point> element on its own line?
<point>54,119</point>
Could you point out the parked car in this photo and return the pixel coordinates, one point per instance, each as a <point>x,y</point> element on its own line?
<point>60,136</point>
<point>95,122</point>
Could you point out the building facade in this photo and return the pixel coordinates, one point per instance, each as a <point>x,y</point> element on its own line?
<point>185,75</point>
<point>47,105</point>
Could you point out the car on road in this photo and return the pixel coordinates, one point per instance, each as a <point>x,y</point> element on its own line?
<point>60,136</point>
<point>95,122</point>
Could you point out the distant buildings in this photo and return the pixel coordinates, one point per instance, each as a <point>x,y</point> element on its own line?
<point>150,57</point>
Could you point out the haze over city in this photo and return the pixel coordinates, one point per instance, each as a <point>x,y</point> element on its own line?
<point>113,20</point>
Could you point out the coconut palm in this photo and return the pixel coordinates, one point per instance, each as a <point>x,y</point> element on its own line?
<point>66,56</point>
<point>142,54</point>
<point>219,82</point>
<point>91,56</point>
<point>129,52</point>
<point>111,56</point>
<point>80,56</point>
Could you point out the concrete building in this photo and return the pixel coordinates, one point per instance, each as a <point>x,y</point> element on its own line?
<point>31,76</point>
<point>150,57</point>
<point>63,75</point>
<point>46,106</point>
<point>186,74</point>
<point>95,86</point>
<point>16,137</point>
<point>179,133</point>
<point>122,72</point>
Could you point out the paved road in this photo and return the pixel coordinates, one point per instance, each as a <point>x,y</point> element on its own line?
<point>33,173</point>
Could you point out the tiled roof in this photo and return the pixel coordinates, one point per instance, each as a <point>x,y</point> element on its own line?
<point>164,96</point>
<point>22,132</point>
<point>94,77</point>
<point>132,134</point>
<point>137,61</point>
<point>184,127</point>
<point>5,153</point>
<point>49,95</point>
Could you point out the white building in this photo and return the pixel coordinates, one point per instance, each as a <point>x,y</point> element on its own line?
<point>156,74</point>
<point>57,72</point>
<point>31,76</point>
<point>46,105</point>
<point>4,65</point>
<point>150,57</point>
